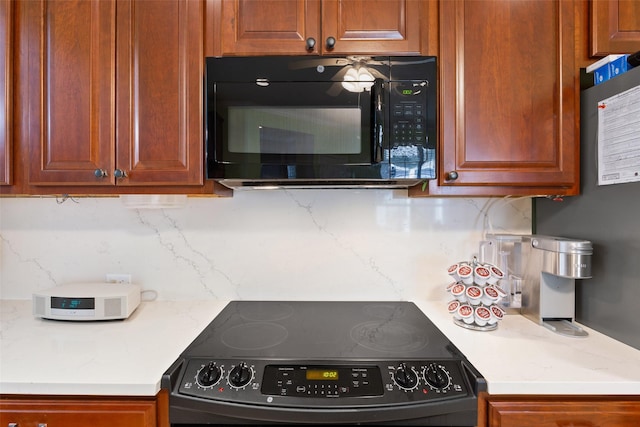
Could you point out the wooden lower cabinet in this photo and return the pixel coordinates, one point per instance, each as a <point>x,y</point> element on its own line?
<point>75,411</point>
<point>558,411</point>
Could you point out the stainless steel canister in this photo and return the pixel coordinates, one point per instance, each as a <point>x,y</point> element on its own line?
<point>564,257</point>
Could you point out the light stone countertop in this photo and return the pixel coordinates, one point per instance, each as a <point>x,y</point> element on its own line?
<point>121,357</point>
<point>129,357</point>
<point>521,357</point>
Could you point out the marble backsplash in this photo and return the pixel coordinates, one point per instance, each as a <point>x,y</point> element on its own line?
<point>283,244</point>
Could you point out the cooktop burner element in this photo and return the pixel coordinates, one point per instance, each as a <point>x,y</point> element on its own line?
<point>322,363</point>
<point>389,336</point>
<point>254,336</point>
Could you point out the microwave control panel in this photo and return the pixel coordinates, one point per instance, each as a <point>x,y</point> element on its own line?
<point>408,121</point>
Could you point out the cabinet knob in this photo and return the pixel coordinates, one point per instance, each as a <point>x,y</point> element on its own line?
<point>100,173</point>
<point>311,43</point>
<point>451,176</point>
<point>331,42</point>
<point>119,173</point>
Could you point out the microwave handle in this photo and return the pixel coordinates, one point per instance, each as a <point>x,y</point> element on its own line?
<point>377,107</point>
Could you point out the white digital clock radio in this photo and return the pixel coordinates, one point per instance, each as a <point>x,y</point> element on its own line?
<point>87,301</point>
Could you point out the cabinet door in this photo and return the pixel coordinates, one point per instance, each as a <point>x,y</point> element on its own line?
<point>6,98</point>
<point>267,27</point>
<point>531,411</point>
<point>372,26</point>
<point>71,90</point>
<point>78,413</point>
<point>159,98</point>
<point>615,26</point>
<point>508,96</point>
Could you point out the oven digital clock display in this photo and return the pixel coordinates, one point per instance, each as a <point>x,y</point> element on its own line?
<point>322,374</point>
<point>321,381</point>
<point>65,303</point>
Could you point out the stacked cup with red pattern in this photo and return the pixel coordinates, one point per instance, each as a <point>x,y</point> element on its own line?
<point>476,293</point>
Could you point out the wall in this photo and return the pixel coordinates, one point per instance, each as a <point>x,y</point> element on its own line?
<point>607,216</point>
<point>284,244</point>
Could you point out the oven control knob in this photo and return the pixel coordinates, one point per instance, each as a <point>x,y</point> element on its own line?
<point>240,375</point>
<point>405,377</point>
<point>208,375</point>
<point>436,376</point>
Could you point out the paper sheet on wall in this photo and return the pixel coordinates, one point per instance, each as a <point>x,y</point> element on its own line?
<point>619,138</point>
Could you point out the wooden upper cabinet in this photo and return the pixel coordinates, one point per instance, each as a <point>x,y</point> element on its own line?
<point>6,93</point>
<point>371,26</point>
<point>71,112</point>
<point>615,26</point>
<point>266,27</point>
<point>508,98</point>
<point>115,87</point>
<point>160,58</point>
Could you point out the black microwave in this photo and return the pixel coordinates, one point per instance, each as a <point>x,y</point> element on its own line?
<point>304,121</point>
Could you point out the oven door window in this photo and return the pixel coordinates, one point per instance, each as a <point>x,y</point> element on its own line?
<point>297,123</point>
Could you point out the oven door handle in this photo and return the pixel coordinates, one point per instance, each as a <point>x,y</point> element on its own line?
<point>377,113</point>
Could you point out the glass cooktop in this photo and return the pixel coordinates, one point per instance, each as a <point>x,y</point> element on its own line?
<point>321,330</point>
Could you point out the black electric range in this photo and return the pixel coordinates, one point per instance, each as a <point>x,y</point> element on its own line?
<point>299,362</point>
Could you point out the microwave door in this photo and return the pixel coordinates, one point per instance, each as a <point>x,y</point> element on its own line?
<point>294,130</point>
